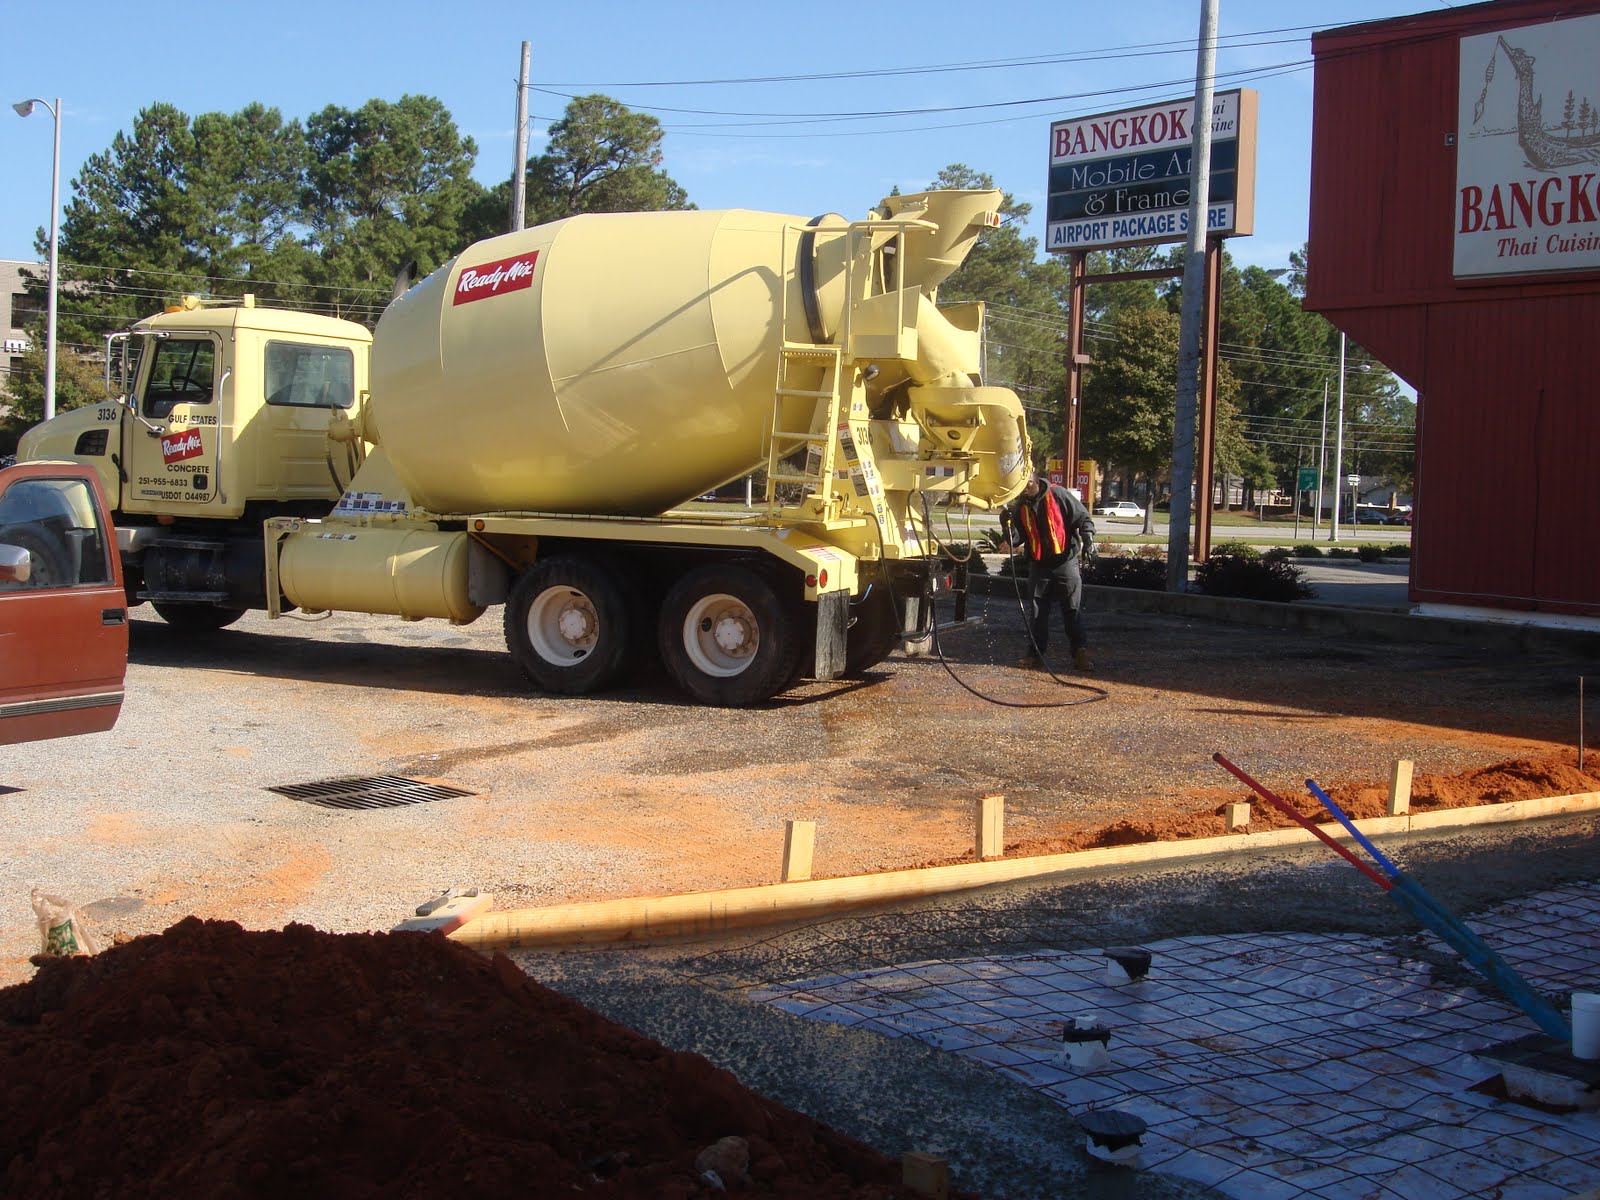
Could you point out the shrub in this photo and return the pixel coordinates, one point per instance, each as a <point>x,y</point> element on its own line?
<point>1235,550</point>
<point>1342,552</point>
<point>1251,577</point>
<point>1309,550</point>
<point>1276,553</point>
<point>1141,571</point>
<point>1400,550</point>
<point>1369,552</point>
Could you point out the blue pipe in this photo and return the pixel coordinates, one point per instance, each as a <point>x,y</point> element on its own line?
<point>1416,900</point>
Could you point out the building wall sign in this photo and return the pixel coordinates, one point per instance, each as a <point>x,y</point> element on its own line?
<point>1124,178</point>
<point>1528,156</point>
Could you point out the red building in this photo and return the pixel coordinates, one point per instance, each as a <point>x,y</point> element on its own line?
<point>1455,233</point>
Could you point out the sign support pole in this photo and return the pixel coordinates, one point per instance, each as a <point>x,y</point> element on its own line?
<point>1072,423</point>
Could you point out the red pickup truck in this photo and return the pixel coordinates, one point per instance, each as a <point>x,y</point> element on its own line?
<point>63,613</point>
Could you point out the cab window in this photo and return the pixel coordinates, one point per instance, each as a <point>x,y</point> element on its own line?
<point>303,376</point>
<point>57,523</point>
<point>182,372</point>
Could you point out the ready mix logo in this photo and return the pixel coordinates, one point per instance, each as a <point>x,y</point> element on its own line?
<point>496,278</point>
<point>186,443</point>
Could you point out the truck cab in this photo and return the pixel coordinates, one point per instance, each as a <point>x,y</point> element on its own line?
<point>63,618</point>
<point>224,421</point>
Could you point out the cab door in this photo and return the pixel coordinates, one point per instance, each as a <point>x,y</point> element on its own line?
<point>172,455</point>
<point>63,614</point>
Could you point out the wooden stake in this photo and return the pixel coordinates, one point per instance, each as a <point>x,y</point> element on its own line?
<point>991,827</point>
<point>926,1174</point>
<point>1400,788</point>
<point>799,839</point>
<point>1236,816</point>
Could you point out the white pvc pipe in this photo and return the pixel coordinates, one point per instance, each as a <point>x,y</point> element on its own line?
<point>1586,1025</point>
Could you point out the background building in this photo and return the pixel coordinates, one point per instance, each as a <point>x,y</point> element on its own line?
<point>1455,233</point>
<point>19,312</point>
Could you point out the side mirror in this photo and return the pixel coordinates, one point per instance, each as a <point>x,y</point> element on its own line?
<point>16,565</point>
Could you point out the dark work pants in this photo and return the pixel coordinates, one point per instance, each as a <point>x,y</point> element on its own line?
<point>1064,583</point>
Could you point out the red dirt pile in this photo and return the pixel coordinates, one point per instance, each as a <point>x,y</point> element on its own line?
<point>210,1061</point>
<point>1518,779</point>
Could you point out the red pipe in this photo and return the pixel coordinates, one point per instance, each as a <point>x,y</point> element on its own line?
<point>1303,821</point>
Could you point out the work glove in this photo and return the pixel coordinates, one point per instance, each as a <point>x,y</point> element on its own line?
<point>1088,554</point>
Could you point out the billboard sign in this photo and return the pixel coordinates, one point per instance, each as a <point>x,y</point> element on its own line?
<point>1527,197</point>
<point>1125,178</point>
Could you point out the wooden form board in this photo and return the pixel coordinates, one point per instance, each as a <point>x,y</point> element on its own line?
<point>650,918</point>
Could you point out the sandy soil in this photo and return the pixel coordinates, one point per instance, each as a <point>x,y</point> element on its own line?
<point>635,793</point>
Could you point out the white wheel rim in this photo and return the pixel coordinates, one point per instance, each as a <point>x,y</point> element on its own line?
<point>721,635</point>
<point>563,627</point>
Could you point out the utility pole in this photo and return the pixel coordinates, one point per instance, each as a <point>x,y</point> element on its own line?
<point>1338,447</point>
<point>1194,274</point>
<point>519,169</point>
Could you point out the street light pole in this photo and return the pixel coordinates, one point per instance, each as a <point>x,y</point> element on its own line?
<point>1338,445</point>
<point>25,108</point>
<point>1322,464</point>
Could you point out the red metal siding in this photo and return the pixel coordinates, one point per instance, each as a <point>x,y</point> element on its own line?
<point>1508,374</point>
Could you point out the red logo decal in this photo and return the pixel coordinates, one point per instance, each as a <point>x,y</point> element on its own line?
<point>178,446</point>
<point>496,278</point>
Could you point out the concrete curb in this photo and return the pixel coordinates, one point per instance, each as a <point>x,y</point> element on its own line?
<point>646,919</point>
<point>1390,625</point>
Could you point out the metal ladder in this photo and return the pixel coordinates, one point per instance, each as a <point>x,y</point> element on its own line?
<point>820,439</point>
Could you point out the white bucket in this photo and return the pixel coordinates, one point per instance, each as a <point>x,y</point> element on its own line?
<point>1586,1025</point>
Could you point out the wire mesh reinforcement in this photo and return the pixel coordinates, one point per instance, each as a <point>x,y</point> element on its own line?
<point>369,791</point>
<point>1265,1064</point>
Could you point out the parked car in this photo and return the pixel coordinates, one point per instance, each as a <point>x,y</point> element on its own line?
<point>1367,514</point>
<point>63,611</point>
<point>1120,508</point>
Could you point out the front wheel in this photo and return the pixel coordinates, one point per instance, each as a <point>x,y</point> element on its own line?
<point>726,637</point>
<point>196,618</point>
<point>567,625</point>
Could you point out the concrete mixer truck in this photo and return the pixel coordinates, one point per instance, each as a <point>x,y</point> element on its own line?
<point>527,426</point>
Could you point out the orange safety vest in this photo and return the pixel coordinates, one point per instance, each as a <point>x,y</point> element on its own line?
<point>1029,520</point>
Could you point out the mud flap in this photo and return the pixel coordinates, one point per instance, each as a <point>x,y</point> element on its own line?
<point>833,617</point>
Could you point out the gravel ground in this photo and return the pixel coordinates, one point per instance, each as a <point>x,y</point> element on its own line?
<point>636,793</point>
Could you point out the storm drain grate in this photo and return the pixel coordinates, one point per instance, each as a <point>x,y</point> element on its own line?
<point>369,791</point>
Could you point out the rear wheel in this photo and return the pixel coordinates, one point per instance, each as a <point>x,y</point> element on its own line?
<point>726,637</point>
<point>196,618</point>
<point>873,633</point>
<point>567,625</point>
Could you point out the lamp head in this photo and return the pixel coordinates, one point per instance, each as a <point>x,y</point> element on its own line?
<point>24,108</point>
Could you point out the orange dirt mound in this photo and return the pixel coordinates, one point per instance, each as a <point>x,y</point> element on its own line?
<point>1518,779</point>
<point>208,1061</point>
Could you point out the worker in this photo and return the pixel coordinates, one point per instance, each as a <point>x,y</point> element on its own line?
<point>1050,525</point>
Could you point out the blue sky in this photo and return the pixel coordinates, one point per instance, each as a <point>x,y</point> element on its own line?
<point>114,60</point>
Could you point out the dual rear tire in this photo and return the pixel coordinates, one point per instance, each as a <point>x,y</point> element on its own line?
<point>723,633</point>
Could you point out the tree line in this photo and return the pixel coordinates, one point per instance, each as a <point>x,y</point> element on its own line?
<point>321,213</point>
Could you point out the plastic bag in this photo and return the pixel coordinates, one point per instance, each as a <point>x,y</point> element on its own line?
<point>62,930</point>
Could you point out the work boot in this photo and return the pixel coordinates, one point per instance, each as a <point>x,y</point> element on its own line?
<point>1029,661</point>
<point>1081,661</point>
